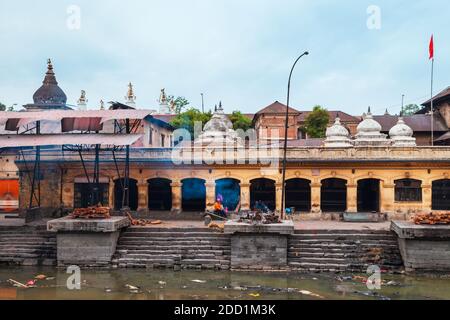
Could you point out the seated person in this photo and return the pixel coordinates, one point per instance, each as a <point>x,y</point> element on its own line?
<point>261,206</point>
<point>218,208</point>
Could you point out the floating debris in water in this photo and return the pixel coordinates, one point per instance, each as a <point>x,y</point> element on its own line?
<point>309,293</point>
<point>130,287</point>
<point>162,283</point>
<point>198,281</point>
<point>254,295</point>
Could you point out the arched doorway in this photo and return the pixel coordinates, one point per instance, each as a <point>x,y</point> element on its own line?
<point>440,190</point>
<point>159,194</point>
<point>333,195</point>
<point>118,194</point>
<point>262,189</point>
<point>298,194</point>
<point>193,194</point>
<point>368,195</point>
<point>231,192</point>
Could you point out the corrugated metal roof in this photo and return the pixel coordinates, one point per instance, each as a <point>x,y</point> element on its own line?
<point>7,141</point>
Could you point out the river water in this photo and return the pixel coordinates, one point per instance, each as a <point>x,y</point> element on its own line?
<point>134,284</point>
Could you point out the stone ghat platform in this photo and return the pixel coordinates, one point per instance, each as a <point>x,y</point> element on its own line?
<point>90,242</point>
<point>423,247</point>
<point>259,245</point>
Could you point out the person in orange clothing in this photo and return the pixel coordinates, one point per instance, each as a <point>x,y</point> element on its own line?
<point>218,207</point>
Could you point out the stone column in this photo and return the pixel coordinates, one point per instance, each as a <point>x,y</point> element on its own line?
<point>278,196</point>
<point>245,196</point>
<point>387,196</point>
<point>352,197</point>
<point>315,197</point>
<point>142,196</point>
<point>426,197</point>
<point>68,194</point>
<point>210,194</point>
<point>111,194</point>
<point>176,195</point>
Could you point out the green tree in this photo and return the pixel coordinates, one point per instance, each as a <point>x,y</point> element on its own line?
<point>186,119</point>
<point>240,121</point>
<point>410,109</point>
<point>2,107</point>
<point>316,122</point>
<point>178,103</point>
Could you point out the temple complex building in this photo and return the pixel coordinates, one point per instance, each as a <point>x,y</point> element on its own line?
<point>364,164</point>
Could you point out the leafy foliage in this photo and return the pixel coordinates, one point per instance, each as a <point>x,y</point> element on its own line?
<point>186,120</point>
<point>240,121</point>
<point>410,109</point>
<point>2,107</point>
<point>316,122</point>
<point>179,102</point>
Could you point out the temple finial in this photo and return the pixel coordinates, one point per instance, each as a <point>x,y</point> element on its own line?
<point>49,64</point>
<point>368,110</point>
<point>130,97</point>
<point>102,105</point>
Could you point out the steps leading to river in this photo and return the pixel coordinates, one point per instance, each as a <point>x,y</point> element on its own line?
<point>343,250</point>
<point>178,248</point>
<point>27,246</point>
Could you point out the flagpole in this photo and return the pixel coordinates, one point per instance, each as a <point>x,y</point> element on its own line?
<point>431,110</point>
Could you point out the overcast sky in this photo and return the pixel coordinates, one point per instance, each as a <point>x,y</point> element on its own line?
<point>239,52</point>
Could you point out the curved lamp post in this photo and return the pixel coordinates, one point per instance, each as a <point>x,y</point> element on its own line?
<point>286,126</point>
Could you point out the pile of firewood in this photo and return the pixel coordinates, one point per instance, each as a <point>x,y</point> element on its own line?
<point>91,213</point>
<point>271,218</point>
<point>432,218</point>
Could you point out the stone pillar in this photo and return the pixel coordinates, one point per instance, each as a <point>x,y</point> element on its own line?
<point>210,194</point>
<point>111,194</point>
<point>176,195</point>
<point>245,196</point>
<point>426,197</point>
<point>387,196</point>
<point>352,197</point>
<point>315,197</point>
<point>278,196</point>
<point>142,196</point>
<point>68,194</point>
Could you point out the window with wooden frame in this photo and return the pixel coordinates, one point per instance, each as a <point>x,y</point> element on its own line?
<point>408,190</point>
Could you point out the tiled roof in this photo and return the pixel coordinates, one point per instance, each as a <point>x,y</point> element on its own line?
<point>277,107</point>
<point>345,117</point>
<point>417,122</point>
<point>444,94</point>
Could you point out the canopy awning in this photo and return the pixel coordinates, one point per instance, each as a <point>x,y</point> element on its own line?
<point>90,118</point>
<point>28,140</point>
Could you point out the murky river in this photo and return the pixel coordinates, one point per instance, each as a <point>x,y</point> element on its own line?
<point>159,284</point>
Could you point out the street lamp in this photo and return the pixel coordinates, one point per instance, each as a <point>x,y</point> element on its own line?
<point>283,184</point>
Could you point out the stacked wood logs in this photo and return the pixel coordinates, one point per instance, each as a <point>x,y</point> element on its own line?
<point>91,213</point>
<point>271,218</point>
<point>432,218</point>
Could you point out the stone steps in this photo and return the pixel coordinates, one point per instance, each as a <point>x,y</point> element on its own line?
<point>342,250</point>
<point>193,248</point>
<point>27,246</point>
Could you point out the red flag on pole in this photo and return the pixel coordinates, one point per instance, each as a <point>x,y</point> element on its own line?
<point>431,49</point>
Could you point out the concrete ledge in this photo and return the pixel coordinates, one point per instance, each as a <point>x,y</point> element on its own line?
<point>88,225</point>
<point>285,228</point>
<point>410,230</point>
<point>423,247</point>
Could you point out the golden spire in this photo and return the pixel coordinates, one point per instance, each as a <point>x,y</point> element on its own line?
<point>49,64</point>
<point>163,97</point>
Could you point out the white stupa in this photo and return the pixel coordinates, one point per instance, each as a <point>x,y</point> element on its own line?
<point>337,136</point>
<point>402,135</point>
<point>368,133</point>
<point>218,131</point>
